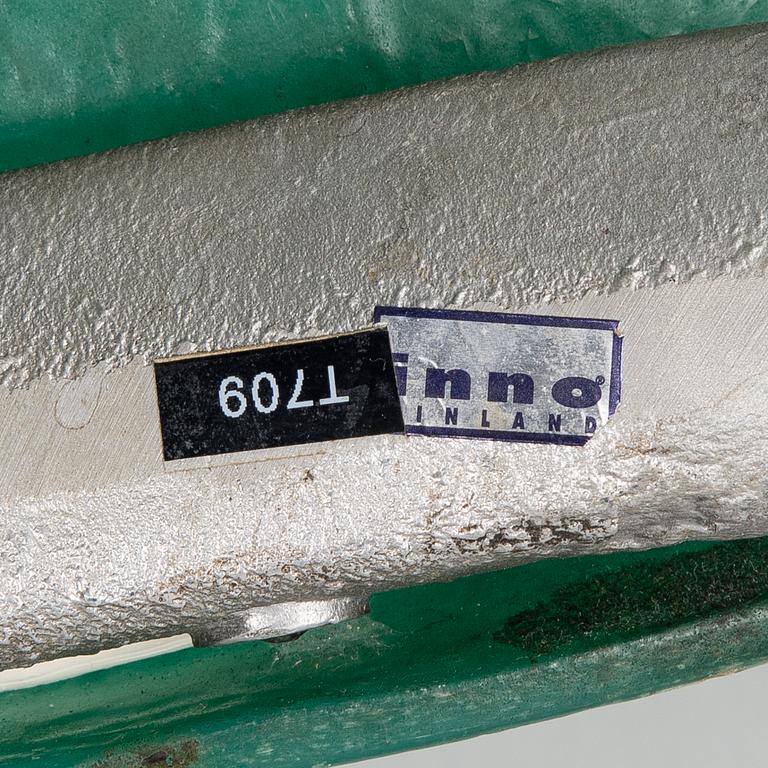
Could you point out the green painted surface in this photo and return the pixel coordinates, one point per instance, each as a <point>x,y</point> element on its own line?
<point>78,76</point>
<point>429,664</point>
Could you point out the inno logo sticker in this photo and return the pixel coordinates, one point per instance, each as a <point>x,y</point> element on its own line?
<point>502,376</point>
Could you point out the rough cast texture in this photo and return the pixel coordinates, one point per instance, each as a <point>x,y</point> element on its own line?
<point>629,168</point>
<point>624,184</point>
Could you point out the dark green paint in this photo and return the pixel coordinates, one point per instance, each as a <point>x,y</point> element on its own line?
<point>429,664</point>
<point>642,598</point>
<point>79,76</point>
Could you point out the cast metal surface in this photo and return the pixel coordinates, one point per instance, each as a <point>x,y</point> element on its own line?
<point>625,184</point>
<point>284,620</point>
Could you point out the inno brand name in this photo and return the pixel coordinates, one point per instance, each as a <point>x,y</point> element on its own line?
<point>575,392</point>
<point>500,376</point>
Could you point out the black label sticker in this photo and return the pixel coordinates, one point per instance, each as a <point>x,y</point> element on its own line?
<point>288,394</point>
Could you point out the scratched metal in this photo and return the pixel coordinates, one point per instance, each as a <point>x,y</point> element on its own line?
<point>625,184</point>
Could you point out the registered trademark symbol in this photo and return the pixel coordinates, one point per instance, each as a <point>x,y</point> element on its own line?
<point>600,380</point>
